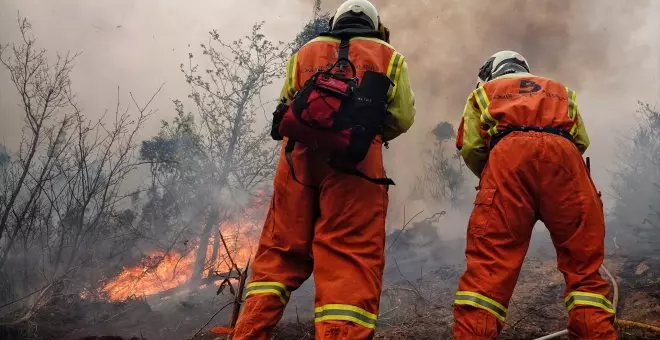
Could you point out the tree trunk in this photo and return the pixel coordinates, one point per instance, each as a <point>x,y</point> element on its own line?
<point>200,259</point>
<point>19,185</point>
<point>214,254</point>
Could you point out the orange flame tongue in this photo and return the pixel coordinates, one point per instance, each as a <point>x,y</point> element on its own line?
<point>161,271</point>
<point>156,273</point>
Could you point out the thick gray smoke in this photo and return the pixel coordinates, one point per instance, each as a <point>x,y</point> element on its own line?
<point>607,51</point>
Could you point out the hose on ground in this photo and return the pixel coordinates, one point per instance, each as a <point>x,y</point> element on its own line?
<point>554,335</point>
<point>638,325</point>
<point>615,302</point>
<point>615,287</point>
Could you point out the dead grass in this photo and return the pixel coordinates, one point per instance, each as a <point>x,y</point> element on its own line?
<point>412,309</point>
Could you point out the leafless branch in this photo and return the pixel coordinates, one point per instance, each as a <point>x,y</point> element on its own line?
<point>211,319</point>
<point>403,228</point>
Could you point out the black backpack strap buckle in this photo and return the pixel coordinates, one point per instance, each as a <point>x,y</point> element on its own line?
<point>355,172</point>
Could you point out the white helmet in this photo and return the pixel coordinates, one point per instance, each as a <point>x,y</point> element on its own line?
<point>501,63</point>
<point>362,8</point>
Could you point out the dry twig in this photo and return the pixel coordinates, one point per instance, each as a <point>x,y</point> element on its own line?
<point>211,319</point>
<point>405,225</point>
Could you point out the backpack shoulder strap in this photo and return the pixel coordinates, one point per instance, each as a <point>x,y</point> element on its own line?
<point>342,56</point>
<point>343,48</point>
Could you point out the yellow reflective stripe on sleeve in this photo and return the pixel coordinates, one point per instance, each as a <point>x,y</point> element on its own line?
<point>394,67</point>
<point>575,299</point>
<point>574,129</point>
<point>572,104</point>
<point>572,110</point>
<point>486,118</point>
<point>479,301</point>
<point>291,70</point>
<point>393,72</point>
<point>350,313</point>
<point>274,288</point>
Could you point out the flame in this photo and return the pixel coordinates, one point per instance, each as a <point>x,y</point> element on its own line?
<point>157,272</point>
<point>160,271</point>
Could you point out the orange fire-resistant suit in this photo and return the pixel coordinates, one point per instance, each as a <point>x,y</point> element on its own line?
<point>335,228</point>
<point>528,176</point>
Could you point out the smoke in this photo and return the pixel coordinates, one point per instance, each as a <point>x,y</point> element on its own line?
<point>135,45</point>
<point>606,51</point>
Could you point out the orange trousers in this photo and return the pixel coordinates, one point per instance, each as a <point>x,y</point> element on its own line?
<point>534,176</point>
<point>335,229</point>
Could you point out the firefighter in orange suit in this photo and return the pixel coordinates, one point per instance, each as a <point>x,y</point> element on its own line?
<point>336,227</point>
<point>523,136</point>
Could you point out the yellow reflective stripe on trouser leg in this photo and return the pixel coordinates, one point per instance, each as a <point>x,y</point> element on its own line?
<point>393,71</point>
<point>274,288</point>
<point>486,118</point>
<point>291,70</point>
<point>350,313</point>
<point>575,299</point>
<point>480,301</point>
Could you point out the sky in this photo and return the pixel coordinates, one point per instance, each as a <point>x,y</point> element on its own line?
<point>608,50</point>
<point>134,44</point>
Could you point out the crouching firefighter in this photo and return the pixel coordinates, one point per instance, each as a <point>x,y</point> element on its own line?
<point>523,135</point>
<point>347,93</point>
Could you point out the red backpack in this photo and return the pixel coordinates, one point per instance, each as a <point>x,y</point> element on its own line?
<point>332,113</point>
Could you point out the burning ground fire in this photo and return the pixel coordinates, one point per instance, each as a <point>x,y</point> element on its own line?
<point>161,271</point>
<point>156,273</point>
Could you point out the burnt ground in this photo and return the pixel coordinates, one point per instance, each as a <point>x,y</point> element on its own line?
<point>178,317</point>
<point>537,308</point>
<point>416,303</point>
<point>424,309</point>
<point>411,309</point>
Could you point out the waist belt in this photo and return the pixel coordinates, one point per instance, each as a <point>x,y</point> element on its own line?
<point>495,139</point>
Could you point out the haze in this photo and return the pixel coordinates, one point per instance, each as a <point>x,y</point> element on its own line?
<point>607,51</point>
